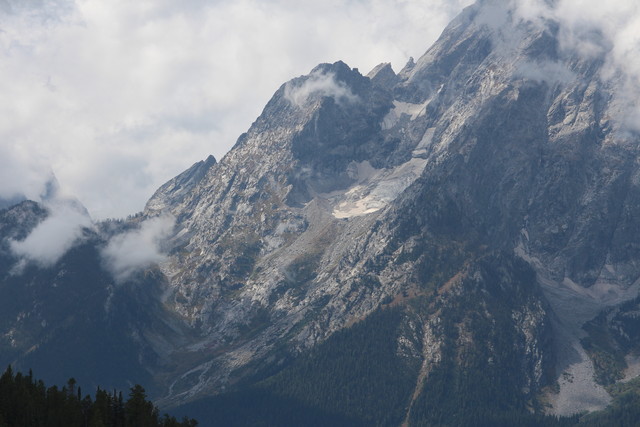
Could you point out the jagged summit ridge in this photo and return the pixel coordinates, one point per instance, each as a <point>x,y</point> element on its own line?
<point>475,131</point>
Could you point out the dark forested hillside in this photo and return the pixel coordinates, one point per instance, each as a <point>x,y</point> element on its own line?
<point>356,378</point>
<point>27,402</point>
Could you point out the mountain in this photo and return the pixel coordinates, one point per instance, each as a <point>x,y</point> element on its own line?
<point>454,243</point>
<point>70,316</point>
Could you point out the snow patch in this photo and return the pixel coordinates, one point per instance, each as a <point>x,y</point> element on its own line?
<point>400,108</point>
<point>413,110</point>
<point>425,142</point>
<point>375,189</point>
<point>358,208</point>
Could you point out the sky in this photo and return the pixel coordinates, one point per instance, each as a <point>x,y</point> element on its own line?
<point>116,97</point>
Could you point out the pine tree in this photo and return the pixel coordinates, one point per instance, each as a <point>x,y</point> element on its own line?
<point>138,411</point>
<point>25,402</point>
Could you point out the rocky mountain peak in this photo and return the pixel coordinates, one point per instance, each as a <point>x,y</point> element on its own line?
<point>383,75</point>
<point>175,190</point>
<point>349,190</point>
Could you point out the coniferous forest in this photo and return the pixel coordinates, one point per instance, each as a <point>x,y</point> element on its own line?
<point>27,402</point>
<point>316,390</point>
<point>354,380</point>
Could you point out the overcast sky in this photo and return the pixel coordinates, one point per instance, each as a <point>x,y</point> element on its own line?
<point>117,96</point>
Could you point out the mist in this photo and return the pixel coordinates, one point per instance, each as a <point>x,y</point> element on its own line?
<point>117,97</point>
<point>321,84</point>
<point>135,250</point>
<point>52,238</point>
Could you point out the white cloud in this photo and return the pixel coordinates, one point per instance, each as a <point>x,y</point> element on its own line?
<point>545,71</point>
<point>318,83</point>
<point>53,237</point>
<point>134,250</point>
<point>22,173</point>
<point>118,96</point>
<point>609,31</point>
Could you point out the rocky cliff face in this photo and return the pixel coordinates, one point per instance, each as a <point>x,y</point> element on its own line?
<point>487,192</point>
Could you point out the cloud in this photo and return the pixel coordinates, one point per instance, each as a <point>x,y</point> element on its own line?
<point>117,97</point>
<point>606,31</point>
<point>320,84</point>
<point>53,237</point>
<point>138,249</point>
<point>22,173</point>
<point>545,71</point>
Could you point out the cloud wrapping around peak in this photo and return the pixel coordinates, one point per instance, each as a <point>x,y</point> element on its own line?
<point>119,96</point>
<point>52,238</point>
<point>607,31</point>
<point>322,84</point>
<point>545,71</point>
<point>135,250</point>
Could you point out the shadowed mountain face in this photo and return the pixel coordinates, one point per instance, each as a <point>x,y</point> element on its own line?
<point>484,199</point>
<point>70,319</point>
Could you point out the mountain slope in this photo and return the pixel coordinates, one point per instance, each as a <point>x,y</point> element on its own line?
<point>349,192</point>
<point>69,318</point>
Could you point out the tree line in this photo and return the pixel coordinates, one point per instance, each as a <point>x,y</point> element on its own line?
<point>27,402</point>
